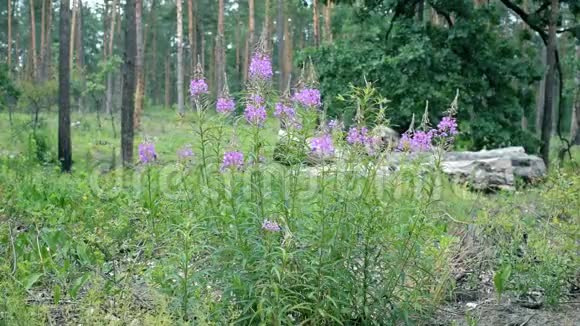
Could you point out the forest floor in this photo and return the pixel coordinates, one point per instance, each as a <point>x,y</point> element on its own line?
<point>535,229</point>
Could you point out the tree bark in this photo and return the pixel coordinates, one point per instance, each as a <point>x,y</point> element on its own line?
<point>33,42</point>
<point>280,28</point>
<point>42,40</point>
<point>167,81</point>
<point>111,39</point>
<point>220,49</point>
<point>180,102</point>
<point>550,81</point>
<point>287,53</point>
<point>540,96</point>
<point>315,23</point>
<point>249,39</point>
<point>9,58</point>
<point>73,31</point>
<point>128,105</point>
<point>64,139</point>
<point>238,50</point>
<point>48,40</point>
<point>575,123</point>
<point>328,21</point>
<point>192,33</point>
<point>267,25</point>
<point>80,54</point>
<point>139,64</point>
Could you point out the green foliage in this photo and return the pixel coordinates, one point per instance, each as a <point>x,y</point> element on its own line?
<point>421,61</point>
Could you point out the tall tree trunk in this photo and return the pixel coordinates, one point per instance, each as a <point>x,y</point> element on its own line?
<point>238,44</point>
<point>575,123</point>
<point>73,31</point>
<point>42,40</point>
<point>328,21</point>
<point>287,53</point>
<point>315,23</point>
<point>191,33</point>
<point>64,139</point>
<point>9,59</point>
<point>220,49</point>
<point>167,81</point>
<point>48,39</point>
<point>111,39</point>
<point>80,54</point>
<point>33,42</point>
<point>550,81</point>
<point>128,106</point>
<point>151,73</point>
<point>540,96</point>
<point>280,28</point>
<point>249,39</point>
<point>180,103</point>
<point>139,64</point>
<point>267,25</point>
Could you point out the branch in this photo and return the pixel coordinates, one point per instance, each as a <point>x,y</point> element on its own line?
<point>526,18</point>
<point>442,13</point>
<point>569,29</point>
<point>543,7</point>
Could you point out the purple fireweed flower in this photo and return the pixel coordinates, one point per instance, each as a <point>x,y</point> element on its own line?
<point>405,142</point>
<point>322,146</point>
<point>225,105</point>
<point>185,153</point>
<point>357,136</point>
<point>422,140</point>
<point>447,127</point>
<point>271,226</point>
<point>147,153</point>
<point>283,112</point>
<point>261,66</point>
<point>197,87</point>
<point>233,160</point>
<point>308,97</point>
<point>255,114</point>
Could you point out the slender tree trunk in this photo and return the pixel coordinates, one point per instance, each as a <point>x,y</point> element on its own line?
<point>575,123</point>
<point>128,106</point>
<point>249,39</point>
<point>280,29</point>
<point>33,41</point>
<point>238,51</point>
<point>220,49</point>
<point>541,93</point>
<point>328,20</point>
<point>9,59</point>
<point>139,64</point>
<point>80,54</point>
<point>111,39</point>
<point>287,52</point>
<point>191,34</point>
<point>315,23</point>
<point>48,40</point>
<point>73,31</point>
<point>202,49</point>
<point>64,139</point>
<point>180,103</point>
<point>42,41</point>
<point>550,81</point>
<point>167,81</point>
<point>267,24</point>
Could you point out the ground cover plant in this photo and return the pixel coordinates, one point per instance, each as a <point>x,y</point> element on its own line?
<point>209,229</point>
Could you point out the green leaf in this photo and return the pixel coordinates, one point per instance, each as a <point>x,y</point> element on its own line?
<point>30,280</point>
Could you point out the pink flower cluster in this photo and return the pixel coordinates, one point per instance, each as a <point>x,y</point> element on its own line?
<point>271,226</point>
<point>322,146</point>
<point>225,105</point>
<point>255,112</point>
<point>261,66</point>
<point>420,141</point>
<point>197,87</point>
<point>233,160</point>
<point>308,97</point>
<point>147,153</point>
